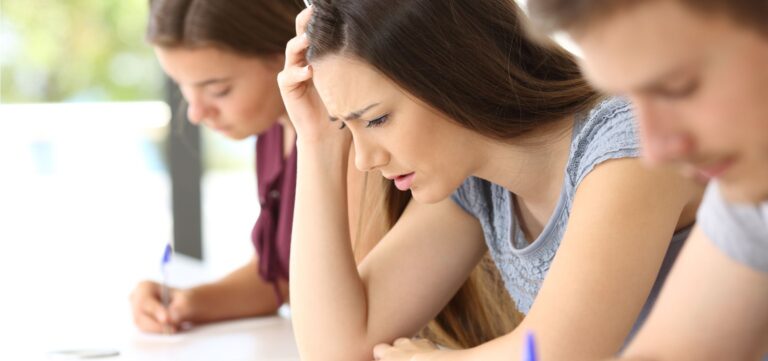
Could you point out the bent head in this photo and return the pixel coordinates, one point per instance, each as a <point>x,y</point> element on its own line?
<point>225,56</point>
<point>420,83</point>
<point>697,75</point>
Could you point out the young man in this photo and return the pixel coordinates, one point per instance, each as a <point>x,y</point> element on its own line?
<point>697,73</point>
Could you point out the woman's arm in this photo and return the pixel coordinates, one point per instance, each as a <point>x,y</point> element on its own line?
<point>621,223</point>
<point>338,311</point>
<point>242,293</point>
<point>341,314</point>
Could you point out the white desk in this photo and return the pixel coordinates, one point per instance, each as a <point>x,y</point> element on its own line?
<point>84,217</point>
<point>255,339</point>
<point>71,307</point>
<point>268,338</point>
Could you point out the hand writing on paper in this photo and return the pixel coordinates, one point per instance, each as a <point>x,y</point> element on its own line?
<point>149,315</point>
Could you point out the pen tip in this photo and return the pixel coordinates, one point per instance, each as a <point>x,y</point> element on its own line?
<point>167,253</point>
<point>530,347</point>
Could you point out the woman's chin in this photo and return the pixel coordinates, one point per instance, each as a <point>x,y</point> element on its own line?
<point>425,196</point>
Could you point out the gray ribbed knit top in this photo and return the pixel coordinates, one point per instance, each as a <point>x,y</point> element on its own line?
<point>606,132</point>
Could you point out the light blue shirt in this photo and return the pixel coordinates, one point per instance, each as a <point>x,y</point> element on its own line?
<point>739,230</point>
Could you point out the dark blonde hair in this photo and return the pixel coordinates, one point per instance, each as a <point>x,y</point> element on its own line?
<point>575,15</point>
<point>479,312</point>
<point>247,27</point>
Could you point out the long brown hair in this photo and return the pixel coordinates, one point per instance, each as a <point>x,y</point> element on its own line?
<point>473,61</point>
<point>247,27</point>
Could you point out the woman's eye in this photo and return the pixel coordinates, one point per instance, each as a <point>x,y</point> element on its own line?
<point>377,122</point>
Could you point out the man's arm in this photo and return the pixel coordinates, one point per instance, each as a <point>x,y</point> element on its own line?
<point>711,308</point>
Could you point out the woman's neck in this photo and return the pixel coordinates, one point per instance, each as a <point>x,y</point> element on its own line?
<point>532,169</point>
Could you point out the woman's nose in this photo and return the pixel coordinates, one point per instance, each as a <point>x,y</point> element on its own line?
<point>196,112</point>
<point>368,156</point>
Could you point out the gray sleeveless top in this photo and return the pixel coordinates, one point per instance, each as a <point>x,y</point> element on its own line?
<point>606,132</point>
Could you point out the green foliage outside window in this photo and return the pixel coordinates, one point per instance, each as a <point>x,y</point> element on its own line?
<point>76,50</point>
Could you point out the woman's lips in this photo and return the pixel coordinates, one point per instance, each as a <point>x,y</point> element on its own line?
<point>403,182</point>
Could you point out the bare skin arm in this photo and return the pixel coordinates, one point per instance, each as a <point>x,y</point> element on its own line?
<point>242,293</point>
<point>401,284</point>
<point>711,308</point>
<point>621,222</point>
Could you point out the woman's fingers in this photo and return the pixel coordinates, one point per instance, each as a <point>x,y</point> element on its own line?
<point>302,101</point>
<point>149,314</point>
<point>381,350</point>
<point>296,70</point>
<point>293,79</point>
<point>402,341</point>
<point>295,51</point>
<point>303,19</point>
<point>181,308</point>
<point>148,323</point>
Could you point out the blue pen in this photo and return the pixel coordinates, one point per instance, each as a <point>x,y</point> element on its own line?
<point>164,294</point>
<point>529,353</point>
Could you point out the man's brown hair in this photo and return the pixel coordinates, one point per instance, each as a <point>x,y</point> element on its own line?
<point>569,15</point>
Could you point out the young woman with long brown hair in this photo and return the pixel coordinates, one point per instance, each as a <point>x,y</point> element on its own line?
<point>504,147</point>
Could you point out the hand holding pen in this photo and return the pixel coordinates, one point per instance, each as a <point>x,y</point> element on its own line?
<point>159,308</point>
<point>165,298</point>
<point>150,315</point>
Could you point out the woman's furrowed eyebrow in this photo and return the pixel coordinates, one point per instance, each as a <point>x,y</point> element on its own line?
<point>356,114</point>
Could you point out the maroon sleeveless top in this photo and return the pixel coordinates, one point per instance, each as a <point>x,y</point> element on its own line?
<point>276,182</point>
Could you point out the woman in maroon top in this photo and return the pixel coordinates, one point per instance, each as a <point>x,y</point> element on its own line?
<point>225,57</point>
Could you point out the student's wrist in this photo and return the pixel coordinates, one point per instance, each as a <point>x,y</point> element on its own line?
<point>326,155</point>
<point>198,304</point>
<point>329,146</point>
